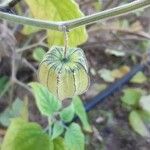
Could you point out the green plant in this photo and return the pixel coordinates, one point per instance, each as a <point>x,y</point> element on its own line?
<point>139,107</point>
<point>60,133</point>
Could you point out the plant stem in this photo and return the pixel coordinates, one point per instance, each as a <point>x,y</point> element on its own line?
<point>13,3</point>
<point>30,21</point>
<point>59,26</point>
<point>65,41</point>
<point>50,122</point>
<point>107,14</point>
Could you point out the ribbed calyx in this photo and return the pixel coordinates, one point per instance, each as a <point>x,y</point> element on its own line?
<point>65,76</point>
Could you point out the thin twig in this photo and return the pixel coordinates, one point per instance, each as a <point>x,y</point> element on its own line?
<point>65,41</point>
<point>29,65</point>
<point>20,50</point>
<point>22,85</point>
<point>107,14</point>
<point>7,86</point>
<point>13,73</point>
<point>13,3</point>
<point>39,43</point>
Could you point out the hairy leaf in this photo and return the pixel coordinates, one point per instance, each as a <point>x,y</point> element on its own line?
<point>22,135</point>
<point>67,113</point>
<point>59,144</point>
<point>46,102</point>
<point>58,129</point>
<point>74,138</point>
<point>80,111</point>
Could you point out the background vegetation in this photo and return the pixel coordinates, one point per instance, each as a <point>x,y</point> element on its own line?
<point>112,48</point>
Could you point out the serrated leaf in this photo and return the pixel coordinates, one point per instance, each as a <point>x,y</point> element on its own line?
<point>46,102</point>
<point>53,10</point>
<point>138,125</point>
<point>74,138</point>
<point>58,129</point>
<point>139,78</point>
<point>131,96</point>
<point>38,54</point>
<point>12,111</point>
<point>80,112</point>
<point>145,103</point>
<point>59,144</point>
<point>67,113</point>
<point>22,135</point>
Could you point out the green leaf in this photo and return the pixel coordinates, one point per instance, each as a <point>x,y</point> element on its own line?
<point>145,116</point>
<point>24,112</point>
<point>59,144</point>
<point>58,129</point>
<point>131,96</point>
<point>53,10</point>
<point>74,138</point>
<point>38,54</point>
<point>11,112</point>
<point>3,83</point>
<point>80,112</point>
<point>46,102</point>
<point>138,125</point>
<point>145,103</point>
<point>115,52</point>
<point>139,78</point>
<point>22,135</point>
<point>106,75</point>
<point>67,113</point>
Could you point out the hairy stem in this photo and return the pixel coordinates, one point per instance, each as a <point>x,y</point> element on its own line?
<point>107,14</point>
<point>59,26</point>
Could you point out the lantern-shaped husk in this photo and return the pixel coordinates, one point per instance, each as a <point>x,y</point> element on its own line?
<point>64,76</point>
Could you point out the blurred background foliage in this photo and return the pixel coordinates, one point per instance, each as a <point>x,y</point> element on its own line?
<point>112,48</point>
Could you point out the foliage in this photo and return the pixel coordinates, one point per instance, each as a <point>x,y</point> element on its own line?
<point>131,96</point>
<point>46,102</point>
<point>137,123</point>
<point>139,78</point>
<point>21,131</point>
<point>74,137</point>
<point>139,117</point>
<point>61,133</point>
<point>80,112</point>
<point>38,54</point>
<point>3,84</point>
<point>111,75</point>
<point>12,111</point>
<point>66,10</point>
<point>22,135</point>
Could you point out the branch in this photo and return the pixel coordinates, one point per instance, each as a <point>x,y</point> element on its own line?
<point>110,13</point>
<point>9,3</point>
<point>59,26</point>
<point>13,3</point>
